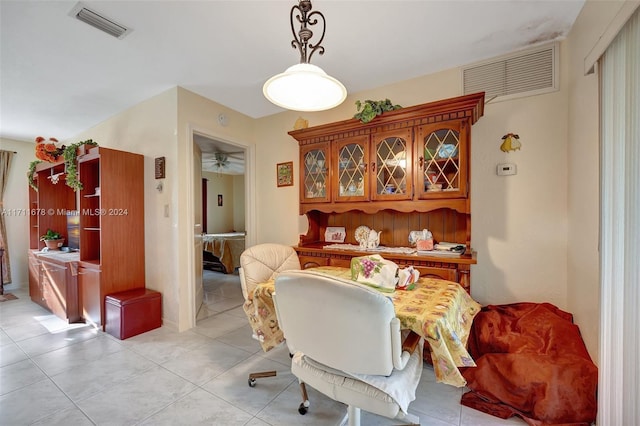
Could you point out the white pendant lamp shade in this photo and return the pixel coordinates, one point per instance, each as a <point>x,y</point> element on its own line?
<point>304,87</point>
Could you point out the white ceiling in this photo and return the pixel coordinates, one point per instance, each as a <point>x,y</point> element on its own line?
<point>60,76</point>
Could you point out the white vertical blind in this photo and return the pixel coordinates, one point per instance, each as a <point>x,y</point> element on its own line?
<point>619,390</point>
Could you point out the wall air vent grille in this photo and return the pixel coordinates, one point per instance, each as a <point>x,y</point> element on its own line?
<point>525,73</point>
<point>99,21</point>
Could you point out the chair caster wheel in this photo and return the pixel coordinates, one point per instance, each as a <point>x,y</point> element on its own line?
<point>302,409</point>
<point>252,383</point>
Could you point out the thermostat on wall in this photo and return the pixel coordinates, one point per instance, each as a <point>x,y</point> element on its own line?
<point>506,169</point>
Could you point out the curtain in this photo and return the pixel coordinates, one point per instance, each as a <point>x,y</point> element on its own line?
<point>5,163</point>
<point>620,227</point>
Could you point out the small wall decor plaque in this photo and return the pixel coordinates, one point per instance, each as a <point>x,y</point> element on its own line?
<point>160,162</point>
<point>284,173</point>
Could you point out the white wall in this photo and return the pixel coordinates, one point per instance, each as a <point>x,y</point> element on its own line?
<point>16,206</point>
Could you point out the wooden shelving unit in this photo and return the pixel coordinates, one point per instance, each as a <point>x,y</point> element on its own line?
<point>111,233</point>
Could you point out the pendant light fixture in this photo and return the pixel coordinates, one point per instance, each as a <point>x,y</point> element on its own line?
<point>305,87</point>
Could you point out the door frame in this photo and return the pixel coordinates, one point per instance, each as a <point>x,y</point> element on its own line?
<point>249,205</point>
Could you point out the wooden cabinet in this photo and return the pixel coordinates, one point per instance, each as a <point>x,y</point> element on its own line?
<point>349,169</point>
<point>110,236</point>
<point>442,152</point>
<point>35,291</point>
<point>53,283</point>
<point>315,185</point>
<point>392,165</point>
<point>405,170</point>
<point>89,293</point>
<point>111,226</point>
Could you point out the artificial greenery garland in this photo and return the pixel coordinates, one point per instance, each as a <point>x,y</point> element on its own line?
<point>371,109</point>
<point>70,155</point>
<point>31,173</point>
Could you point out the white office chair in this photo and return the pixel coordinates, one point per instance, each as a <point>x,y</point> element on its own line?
<point>259,264</point>
<point>346,343</point>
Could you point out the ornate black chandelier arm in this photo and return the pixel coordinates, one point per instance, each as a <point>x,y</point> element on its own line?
<point>303,36</point>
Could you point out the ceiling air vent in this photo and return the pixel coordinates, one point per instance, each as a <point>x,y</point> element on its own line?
<point>525,73</point>
<point>99,21</point>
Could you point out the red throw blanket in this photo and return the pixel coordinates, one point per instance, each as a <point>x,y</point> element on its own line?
<point>531,362</point>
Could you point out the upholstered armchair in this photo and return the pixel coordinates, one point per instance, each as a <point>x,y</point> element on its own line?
<point>347,344</point>
<point>259,264</point>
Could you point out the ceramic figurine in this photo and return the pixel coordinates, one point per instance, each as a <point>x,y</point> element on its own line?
<point>300,123</point>
<point>373,239</point>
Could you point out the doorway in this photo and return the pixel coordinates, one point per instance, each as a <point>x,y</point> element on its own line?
<point>220,223</point>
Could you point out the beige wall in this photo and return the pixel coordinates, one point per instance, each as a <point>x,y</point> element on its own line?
<point>198,114</point>
<point>238,203</point>
<point>219,219</point>
<point>16,206</point>
<point>149,128</point>
<point>583,284</point>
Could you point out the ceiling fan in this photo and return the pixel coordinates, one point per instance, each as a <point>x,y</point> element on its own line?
<point>221,161</point>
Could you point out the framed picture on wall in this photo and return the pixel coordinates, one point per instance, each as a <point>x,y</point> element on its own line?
<point>220,199</point>
<point>284,173</point>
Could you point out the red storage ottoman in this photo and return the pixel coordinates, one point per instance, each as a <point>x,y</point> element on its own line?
<point>132,312</point>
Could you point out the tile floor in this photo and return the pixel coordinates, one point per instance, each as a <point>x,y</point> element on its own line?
<point>55,374</point>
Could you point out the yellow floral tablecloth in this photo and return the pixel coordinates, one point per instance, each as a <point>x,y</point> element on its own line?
<point>438,310</point>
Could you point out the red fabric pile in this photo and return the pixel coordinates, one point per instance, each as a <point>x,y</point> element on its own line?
<point>531,362</point>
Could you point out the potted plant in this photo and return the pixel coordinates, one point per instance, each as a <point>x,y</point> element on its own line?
<point>52,239</point>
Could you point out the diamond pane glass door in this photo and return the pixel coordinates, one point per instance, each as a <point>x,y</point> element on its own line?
<point>441,168</point>
<point>315,174</point>
<point>352,157</point>
<point>392,166</point>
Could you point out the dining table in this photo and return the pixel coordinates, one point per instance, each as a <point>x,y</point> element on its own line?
<point>440,311</point>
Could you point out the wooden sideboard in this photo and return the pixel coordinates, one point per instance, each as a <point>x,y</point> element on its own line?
<point>405,170</point>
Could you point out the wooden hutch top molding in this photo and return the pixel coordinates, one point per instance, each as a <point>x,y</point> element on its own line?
<point>471,106</point>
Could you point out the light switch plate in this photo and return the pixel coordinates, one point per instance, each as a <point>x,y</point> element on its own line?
<point>506,169</point>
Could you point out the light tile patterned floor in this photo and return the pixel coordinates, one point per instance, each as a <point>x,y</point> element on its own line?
<point>51,374</point>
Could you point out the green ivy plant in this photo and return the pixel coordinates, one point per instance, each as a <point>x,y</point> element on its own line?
<point>32,173</point>
<point>50,235</point>
<point>371,109</point>
<point>70,155</point>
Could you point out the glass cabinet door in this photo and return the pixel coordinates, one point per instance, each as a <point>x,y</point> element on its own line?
<point>391,166</point>
<point>351,159</point>
<point>314,166</point>
<point>441,152</point>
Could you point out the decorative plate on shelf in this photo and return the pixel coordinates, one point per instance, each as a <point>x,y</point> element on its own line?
<point>362,233</point>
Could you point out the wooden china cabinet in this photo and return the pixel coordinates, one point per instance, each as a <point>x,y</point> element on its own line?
<point>405,170</point>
